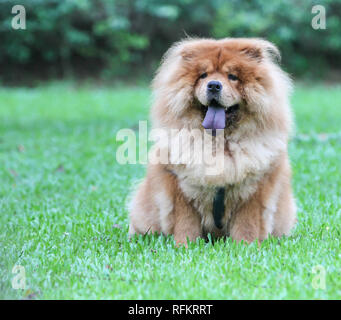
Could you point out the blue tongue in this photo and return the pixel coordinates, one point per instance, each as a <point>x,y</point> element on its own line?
<point>215,118</point>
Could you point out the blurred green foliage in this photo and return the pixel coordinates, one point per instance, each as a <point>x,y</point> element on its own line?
<point>128,37</point>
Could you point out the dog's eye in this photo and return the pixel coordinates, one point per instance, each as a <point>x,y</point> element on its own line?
<point>232,77</point>
<point>203,76</point>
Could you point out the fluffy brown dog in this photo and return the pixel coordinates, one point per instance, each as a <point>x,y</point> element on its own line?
<point>234,85</point>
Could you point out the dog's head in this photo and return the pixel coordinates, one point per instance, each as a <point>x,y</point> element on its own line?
<point>201,82</point>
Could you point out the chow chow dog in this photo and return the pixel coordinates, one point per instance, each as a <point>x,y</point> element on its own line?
<point>233,91</point>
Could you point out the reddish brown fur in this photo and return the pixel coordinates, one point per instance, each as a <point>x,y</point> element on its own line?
<point>177,199</point>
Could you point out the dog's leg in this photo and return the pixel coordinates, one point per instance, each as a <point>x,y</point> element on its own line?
<point>285,216</point>
<point>187,221</point>
<point>271,210</point>
<point>247,223</point>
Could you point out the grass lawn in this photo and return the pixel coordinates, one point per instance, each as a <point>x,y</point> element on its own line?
<point>62,214</point>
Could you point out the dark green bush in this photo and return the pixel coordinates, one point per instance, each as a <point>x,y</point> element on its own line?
<point>127,38</point>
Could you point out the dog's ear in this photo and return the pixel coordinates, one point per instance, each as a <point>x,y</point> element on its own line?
<point>260,49</point>
<point>187,48</point>
<point>272,51</point>
<point>253,53</point>
<point>183,49</point>
<point>187,54</point>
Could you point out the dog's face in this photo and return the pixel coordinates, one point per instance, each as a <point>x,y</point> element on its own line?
<point>220,86</point>
<point>218,90</point>
<point>208,79</point>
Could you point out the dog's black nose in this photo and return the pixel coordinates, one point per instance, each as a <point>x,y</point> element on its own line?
<point>214,86</point>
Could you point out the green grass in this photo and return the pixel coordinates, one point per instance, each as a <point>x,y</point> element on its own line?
<point>62,212</point>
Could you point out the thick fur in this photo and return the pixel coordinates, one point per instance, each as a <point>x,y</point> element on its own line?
<point>177,198</point>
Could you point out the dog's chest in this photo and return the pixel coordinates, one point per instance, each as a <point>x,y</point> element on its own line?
<point>202,199</point>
